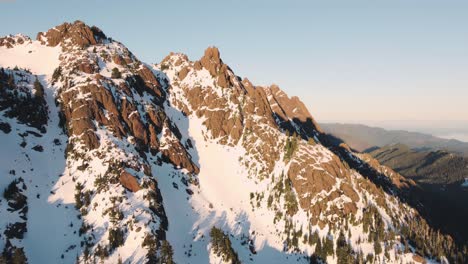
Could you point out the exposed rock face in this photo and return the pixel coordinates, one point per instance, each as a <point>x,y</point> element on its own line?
<point>10,41</point>
<point>117,121</point>
<point>117,103</point>
<point>397,180</point>
<point>213,63</point>
<point>128,125</point>
<point>77,32</point>
<point>291,113</point>
<point>129,181</point>
<point>263,120</point>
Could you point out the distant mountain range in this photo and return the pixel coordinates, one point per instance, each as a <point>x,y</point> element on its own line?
<point>438,166</point>
<point>432,167</point>
<point>365,138</point>
<point>442,177</point>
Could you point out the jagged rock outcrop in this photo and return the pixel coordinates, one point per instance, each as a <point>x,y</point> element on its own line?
<point>78,33</point>
<point>215,66</point>
<point>129,181</point>
<point>155,156</point>
<point>291,113</point>
<point>10,41</point>
<point>112,103</point>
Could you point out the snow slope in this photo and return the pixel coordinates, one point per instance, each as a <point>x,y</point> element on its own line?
<point>251,187</point>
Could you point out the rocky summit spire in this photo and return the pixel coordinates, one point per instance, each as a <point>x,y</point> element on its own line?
<point>77,32</point>
<point>211,61</point>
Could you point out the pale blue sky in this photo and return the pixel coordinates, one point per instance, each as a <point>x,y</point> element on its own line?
<point>352,61</point>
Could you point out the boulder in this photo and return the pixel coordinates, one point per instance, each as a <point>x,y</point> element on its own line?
<point>129,181</point>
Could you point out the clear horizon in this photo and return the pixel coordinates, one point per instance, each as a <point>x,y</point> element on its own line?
<point>449,129</point>
<point>364,62</point>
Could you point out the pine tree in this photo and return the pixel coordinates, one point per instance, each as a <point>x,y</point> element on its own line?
<point>39,89</point>
<point>116,73</point>
<point>319,250</point>
<point>18,256</point>
<point>221,245</point>
<point>328,245</point>
<point>57,73</point>
<point>116,238</point>
<point>377,247</point>
<point>166,253</point>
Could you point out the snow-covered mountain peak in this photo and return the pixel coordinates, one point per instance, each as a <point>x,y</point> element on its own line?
<point>76,33</point>
<point>155,163</point>
<point>10,41</point>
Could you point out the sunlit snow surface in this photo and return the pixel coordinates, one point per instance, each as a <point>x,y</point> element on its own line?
<point>31,55</point>
<point>222,198</point>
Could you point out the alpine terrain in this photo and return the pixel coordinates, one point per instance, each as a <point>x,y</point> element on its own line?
<point>108,159</point>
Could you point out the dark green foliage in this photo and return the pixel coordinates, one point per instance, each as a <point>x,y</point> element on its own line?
<point>290,147</point>
<point>284,186</point>
<point>78,191</point>
<point>115,215</point>
<point>221,245</point>
<point>83,229</point>
<point>429,242</point>
<point>16,230</point>
<point>101,183</point>
<point>269,201</point>
<point>164,67</point>
<point>116,74</point>
<point>377,247</point>
<point>18,256</point>
<point>166,253</point>
<point>116,238</point>
<point>155,201</point>
<point>5,127</point>
<point>290,198</point>
<point>16,200</point>
<point>373,223</point>
<point>328,245</point>
<point>319,253</point>
<point>12,255</point>
<point>57,74</point>
<point>439,174</point>
<point>39,89</point>
<point>101,252</point>
<point>150,242</point>
<point>313,238</point>
<point>314,259</point>
<point>20,103</point>
<point>344,252</point>
<point>12,189</point>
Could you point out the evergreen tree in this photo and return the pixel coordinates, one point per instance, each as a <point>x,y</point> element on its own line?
<point>221,246</point>
<point>319,252</point>
<point>116,238</point>
<point>377,247</point>
<point>151,244</point>
<point>290,147</point>
<point>57,73</point>
<point>39,89</point>
<point>328,245</point>
<point>116,73</point>
<point>166,253</point>
<point>18,257</point>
